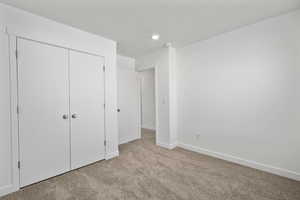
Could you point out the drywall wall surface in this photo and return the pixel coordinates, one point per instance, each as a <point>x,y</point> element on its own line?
<point>128,100</point>
<point>239,95</point>
<point>147,80</point>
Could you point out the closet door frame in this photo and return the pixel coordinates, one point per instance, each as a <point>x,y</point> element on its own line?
<point>13,77</point>
<point>13,114</point>
<point>14,105</point>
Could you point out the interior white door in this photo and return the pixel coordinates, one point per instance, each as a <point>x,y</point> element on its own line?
<point>128,103</point>
<point>44,108</point>
<point>87,108</point>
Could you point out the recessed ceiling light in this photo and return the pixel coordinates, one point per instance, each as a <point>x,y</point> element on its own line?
<point>155,37</point>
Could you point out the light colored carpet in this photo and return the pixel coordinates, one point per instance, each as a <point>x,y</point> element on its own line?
<point>146,171</point>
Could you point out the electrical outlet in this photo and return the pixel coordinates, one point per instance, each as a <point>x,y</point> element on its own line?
<point>197,136</point>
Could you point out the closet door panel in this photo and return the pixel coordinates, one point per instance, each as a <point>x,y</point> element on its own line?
<point>87,109</point>
<point>44,107</point>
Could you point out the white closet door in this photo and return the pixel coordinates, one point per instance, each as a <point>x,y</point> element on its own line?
<point>87,108</point>
<point>43,99</point>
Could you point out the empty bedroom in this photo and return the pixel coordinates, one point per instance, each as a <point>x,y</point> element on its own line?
<point>150,100</point>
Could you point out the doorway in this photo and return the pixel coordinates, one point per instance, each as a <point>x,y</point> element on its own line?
<point>148,104</point>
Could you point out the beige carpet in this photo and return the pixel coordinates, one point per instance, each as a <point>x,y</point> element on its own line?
<point>145,171</point>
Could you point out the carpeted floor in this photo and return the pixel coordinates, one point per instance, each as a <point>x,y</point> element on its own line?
<point>145,171</point>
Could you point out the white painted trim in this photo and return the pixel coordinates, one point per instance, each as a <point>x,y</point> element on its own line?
<point>167,146</point>
<point>129,140</point>
<point>145,126</point>
<point>140,83</point>
<point>249,163</point>
<point>6,190</point>
<point>14,116</point>
<point>139,126</point>
<point>173,145</point>
<point>164,145</point>
<point>14,119</point>
<point>110,155</point>
<point>156,105</point>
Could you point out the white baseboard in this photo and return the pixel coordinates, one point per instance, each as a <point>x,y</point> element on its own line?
<point>111,155</point>
<point>7,190</point>
<point>172,146</point>
<point>267,168</point>
<point>148,127</point>
<point>167,146</point>
<point>129,140</point>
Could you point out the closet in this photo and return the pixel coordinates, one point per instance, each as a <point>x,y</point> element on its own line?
<point>61,110</point>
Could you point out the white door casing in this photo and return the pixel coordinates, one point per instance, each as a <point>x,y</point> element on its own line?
<point>5,128</point>
<point>9,178</point>
<point>87,108</point>
<point>43,100</point>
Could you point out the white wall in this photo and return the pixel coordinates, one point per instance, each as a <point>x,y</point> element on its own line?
<point>162,61</point>
<point>5,141</point>
<point>8,166</point>
<point>128,100</point>
<point>147,79</point>
<point>239,95</point>
<point>23,24</point>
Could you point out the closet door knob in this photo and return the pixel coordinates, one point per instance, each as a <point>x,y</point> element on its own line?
<point>65,116</point>
<point>74,116</point>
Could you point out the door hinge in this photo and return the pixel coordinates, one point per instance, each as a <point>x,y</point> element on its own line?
<point>104,106</point>
<point>18,110</point>
<point>19,165</point>
<point>103,68</point>
<point>104,142</point>
<point>16,52</point>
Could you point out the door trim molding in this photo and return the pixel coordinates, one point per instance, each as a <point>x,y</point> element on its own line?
<point>14,115</point>
<point>110,155</point>
<point>15,185</point>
